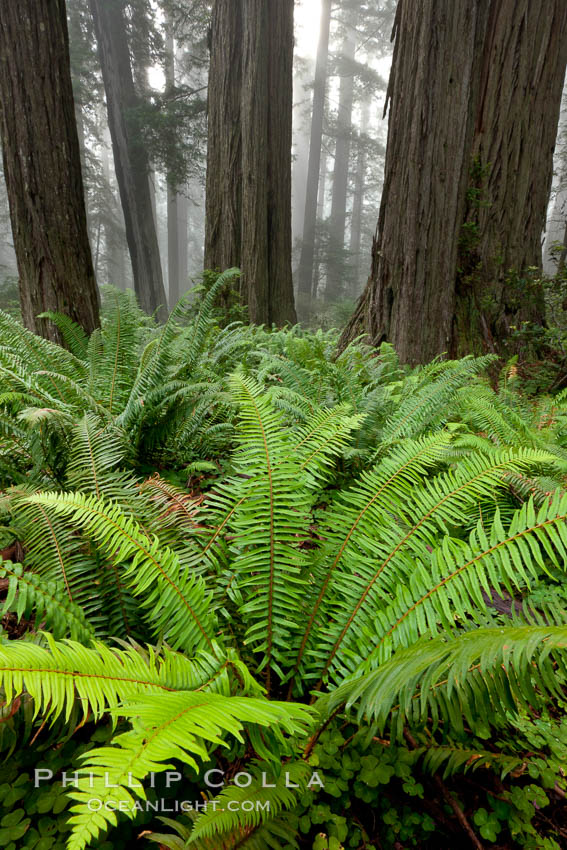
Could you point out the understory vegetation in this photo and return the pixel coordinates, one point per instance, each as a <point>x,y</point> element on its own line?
<point>337,580</point>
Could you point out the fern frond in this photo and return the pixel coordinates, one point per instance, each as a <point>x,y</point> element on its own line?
<point>167,726</point>
<point>484,673</point>
<point>266,560</point>
<point>99,677</point>
<point>379,556</point>
<point>175,601</point>
<point>74,337</point>
<point>32,596</point>
<point>428,404</point>
<point>449,585</point>
<point>95,452</point>
<point>231,827</point>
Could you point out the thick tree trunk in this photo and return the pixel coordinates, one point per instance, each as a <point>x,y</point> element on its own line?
<point>224,141</point>
<point>337,222</point>
<point>77,48</point>
<point>475,95</point>
<point>42,166</point>
<point>305,269</point>
<point>130,156</point>
<point>267,105</point>
<point>249,160</point>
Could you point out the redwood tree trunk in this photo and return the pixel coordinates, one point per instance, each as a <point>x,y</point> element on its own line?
<point>305,269</point>
<point>267,103</point>
<point>42,166</point>
<point>224,139</point>
<point>249,220</point>
<point>337,222</point>
<point>130,156</point>
<point>475,93</point>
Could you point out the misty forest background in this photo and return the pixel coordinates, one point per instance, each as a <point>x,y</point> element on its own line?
<point>283,424</point>
<point>169,50</point>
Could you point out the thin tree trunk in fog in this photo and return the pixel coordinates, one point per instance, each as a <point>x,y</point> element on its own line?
<point>305,269</point>
<point>321,201</point>
<point>182,239</point>
<point>300,153</point>
<point>130,156</point>
<point>224,140</point>
<point>557,220</point>
<point>114,247</point>
<point>555,232</point>
<point>337,221</point>
<point>172,246</point>
<point>322,189</point>
<point>172,207</point>
<point>475,96</point>
<point>267,105</point>
<point>42,166</point>
<point>359,187</point>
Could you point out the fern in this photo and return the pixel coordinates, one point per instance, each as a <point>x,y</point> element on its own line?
<point>482,673</point>
<point>165,726</point>
<point>28,595</point>
<point>175,602</point>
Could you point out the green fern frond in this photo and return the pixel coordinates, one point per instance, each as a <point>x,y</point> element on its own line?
<point>95,452</point>
<point>74,337</point>
<point>484,673</point>
<point>266,559</point>
<point>31,596</point>
<point>175,601</point>
<point>229,823</point>
<point>427,405</point>
<point>461,759</point>
<point>167,726</point>
<point>378,556</point>
<point>37,353</point>
<point>449,585</point>
<point>98,677</point>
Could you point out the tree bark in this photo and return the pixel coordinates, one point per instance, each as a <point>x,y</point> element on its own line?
<point>223,205</point>
<point>305,269</point>
<point>249,161</point>
<point>337,222</point>
<point>130,156</point>
<point>475,93</point>
<point>267,104</point>
<point>42,166</point>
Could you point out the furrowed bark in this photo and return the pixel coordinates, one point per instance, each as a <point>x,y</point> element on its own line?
<point>42,166</point>
<point>475,93</point>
